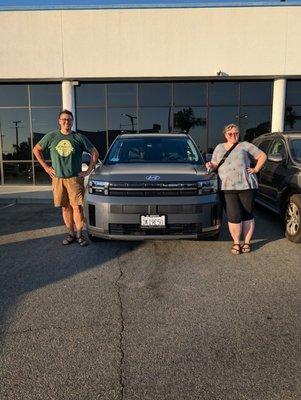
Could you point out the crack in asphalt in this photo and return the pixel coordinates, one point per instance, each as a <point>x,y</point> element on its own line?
<point>121,348</point>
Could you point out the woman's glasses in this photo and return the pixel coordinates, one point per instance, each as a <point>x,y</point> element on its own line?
<point>231,134</point>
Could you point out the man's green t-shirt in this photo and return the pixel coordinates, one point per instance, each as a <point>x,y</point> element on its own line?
<point>66,152</point>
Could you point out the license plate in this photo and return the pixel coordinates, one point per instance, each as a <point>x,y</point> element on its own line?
<point>153,221</point>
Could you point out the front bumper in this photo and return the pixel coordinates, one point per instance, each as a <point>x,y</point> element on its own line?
<point>113,217</point>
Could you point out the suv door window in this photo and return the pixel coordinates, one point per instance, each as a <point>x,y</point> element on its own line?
<point>278,148</point>
<point>264,145</point>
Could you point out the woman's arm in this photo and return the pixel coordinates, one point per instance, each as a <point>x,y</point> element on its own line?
<point>261,159</point>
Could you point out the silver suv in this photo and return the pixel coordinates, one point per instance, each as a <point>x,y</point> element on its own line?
<point>152,186</point>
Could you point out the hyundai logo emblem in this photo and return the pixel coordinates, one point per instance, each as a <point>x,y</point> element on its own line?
<point>153,177</point>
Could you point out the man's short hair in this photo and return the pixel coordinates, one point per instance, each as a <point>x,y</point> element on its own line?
<point>66,112</point>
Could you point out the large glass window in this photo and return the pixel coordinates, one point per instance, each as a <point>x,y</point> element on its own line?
<point>223,93</point>
<point>46,94</point>
<point>15,134</point>
<point>13,95</point>
<point>122,95</point>
<point>218,118</point>
<point>190,94</point>
<point>154,94</point>
<point>254,121</point>
<point>90,95</point>
<point>155,119</point>
<point>292,120</point>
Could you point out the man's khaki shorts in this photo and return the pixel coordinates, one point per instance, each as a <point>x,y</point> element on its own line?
<point>68,191</point>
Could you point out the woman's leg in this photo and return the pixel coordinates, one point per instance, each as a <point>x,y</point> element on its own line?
<point>248,223</point>
<point>248,228</point>
<point>234,215</point>
<point>235,231</point>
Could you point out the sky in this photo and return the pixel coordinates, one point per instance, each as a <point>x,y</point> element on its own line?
<point>127,3</point>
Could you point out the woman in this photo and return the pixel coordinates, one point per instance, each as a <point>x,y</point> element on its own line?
<point>238,183</point>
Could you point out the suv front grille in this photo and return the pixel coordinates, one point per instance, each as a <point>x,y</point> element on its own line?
<point>153,189</point>
<point>171,229</point>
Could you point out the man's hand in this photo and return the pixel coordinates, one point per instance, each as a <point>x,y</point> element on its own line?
<point>51,172</point>
<point>82,174</point>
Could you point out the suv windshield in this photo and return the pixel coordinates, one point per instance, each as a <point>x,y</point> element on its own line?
<point>153,150</point>
<point>295,148</point>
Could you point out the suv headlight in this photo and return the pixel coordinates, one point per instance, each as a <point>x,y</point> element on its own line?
<point>99,187</point>
<point>207,187</point>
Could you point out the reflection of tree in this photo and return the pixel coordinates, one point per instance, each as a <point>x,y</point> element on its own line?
<point>291,117</point>
<point>185,120</point>
<point>253,133</point>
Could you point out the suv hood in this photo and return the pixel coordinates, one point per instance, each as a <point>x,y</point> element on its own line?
<point>138,172</point>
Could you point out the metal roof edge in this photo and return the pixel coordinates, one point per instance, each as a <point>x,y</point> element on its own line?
<point>234,4</point>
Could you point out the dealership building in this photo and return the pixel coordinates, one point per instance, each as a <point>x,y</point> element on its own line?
<point>145,66</point>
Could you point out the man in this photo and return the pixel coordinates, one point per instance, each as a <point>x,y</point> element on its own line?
<point>66,148</point>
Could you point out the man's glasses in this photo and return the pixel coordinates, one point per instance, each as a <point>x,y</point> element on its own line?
<point>66,119</point>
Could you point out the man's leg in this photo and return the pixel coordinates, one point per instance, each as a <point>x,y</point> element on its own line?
<point>78,217</point>
<point>67,213</point>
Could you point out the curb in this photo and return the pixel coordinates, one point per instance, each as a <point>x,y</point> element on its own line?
<point>16,200</point>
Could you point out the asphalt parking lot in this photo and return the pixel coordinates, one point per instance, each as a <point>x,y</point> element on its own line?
<point>146,320</point>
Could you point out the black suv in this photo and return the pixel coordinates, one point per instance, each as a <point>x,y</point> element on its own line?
<point>280,179</point>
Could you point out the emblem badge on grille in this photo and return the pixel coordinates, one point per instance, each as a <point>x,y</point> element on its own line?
<point>153,177</point>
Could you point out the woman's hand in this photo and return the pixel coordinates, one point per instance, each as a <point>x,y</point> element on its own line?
<point>252,170</point>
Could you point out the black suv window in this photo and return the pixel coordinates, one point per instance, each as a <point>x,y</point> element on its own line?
<point>278,148</point>
<point>264,145</point>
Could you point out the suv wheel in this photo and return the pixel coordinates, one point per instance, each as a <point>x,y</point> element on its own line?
<point>293,219</point>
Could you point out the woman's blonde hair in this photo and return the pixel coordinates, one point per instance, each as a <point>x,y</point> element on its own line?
<point>229,126</point>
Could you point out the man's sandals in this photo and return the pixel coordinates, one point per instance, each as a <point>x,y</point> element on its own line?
<point>82,241</point>
<point>68,239</point>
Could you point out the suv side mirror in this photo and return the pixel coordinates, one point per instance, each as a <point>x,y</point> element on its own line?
<point>277,158</point>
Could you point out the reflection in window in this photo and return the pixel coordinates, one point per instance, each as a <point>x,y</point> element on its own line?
<point>154,94</point>
<point>223,93</point>
<point>122,94</point>
<point>218,118</point>
<point>293,92</point>
<point>190,94</point>
<point>44,120</point>
<point>15,134</point>
<point>153,119</point>
<point>18,173</point>
<point>254,121</point>
<point>92,123</point>
<point>256,93</point>
<point>121,120</point>
<point>292,119</point>
<point>12,95</point>
<point>46,94</point>
<point>90,94</point>
<point>42,178</point>
<point>192,120</point>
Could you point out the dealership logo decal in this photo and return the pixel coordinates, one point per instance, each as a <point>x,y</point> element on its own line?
<point>153,177</point>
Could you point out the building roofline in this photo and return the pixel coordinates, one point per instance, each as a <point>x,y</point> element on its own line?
<point>150,5</point>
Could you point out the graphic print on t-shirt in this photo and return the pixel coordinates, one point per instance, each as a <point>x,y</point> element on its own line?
<point>64,148</point>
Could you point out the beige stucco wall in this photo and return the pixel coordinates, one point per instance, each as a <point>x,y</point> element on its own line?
<point>242,42</point>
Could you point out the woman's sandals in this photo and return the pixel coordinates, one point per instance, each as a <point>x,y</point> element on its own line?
<point>246,248</point>
<point>235,249</point>
<point>68,240</point>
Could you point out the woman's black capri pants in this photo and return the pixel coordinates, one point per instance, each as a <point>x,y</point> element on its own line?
<point>239,205</point>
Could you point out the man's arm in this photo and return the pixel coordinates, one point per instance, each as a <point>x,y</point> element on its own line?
<point>38,152</point>
<point>94,158</point>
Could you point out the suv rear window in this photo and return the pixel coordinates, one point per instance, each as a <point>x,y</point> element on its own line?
<point>153,150</point>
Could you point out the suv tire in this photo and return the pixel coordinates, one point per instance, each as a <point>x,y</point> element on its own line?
<point>292,219</point>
